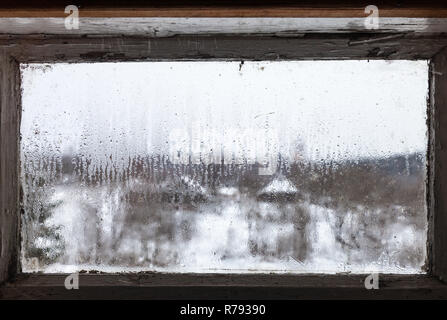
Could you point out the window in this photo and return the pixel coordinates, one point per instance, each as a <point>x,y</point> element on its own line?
<point>404,183</point>
<point>225,166</point>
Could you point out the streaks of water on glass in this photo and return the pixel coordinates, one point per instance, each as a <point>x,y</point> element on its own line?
<point>196,166</point>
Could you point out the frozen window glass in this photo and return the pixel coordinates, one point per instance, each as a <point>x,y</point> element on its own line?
<point>285,166</point>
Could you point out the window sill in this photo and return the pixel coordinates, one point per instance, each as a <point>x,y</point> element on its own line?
<point>222,286</point>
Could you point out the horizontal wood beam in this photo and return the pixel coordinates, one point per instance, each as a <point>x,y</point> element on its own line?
<point>314,47</point>
<point>207,12</point>
<point>222,286</point>
<point>168,27</point>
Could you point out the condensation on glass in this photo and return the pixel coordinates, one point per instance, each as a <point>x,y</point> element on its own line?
<point>285,166</point>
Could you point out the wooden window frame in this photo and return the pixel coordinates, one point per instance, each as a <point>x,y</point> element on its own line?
<point>353,44</point>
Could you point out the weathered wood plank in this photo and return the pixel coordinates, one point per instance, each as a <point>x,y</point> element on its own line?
<point>294,47</point>
<point>9,164</point>
<point>165,26</point>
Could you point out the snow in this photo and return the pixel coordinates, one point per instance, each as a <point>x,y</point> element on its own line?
<point>155,166</point>
<point>279,185</point>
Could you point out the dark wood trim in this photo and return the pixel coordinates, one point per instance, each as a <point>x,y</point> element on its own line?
<point>223,286</point>
<point>9,164</point>
<point>439,152</point>
<point>208,12</point>
<point>224,47</point>
<point>430,167</point>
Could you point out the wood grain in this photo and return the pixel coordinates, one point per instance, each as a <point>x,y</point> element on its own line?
<point>292,47</point>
